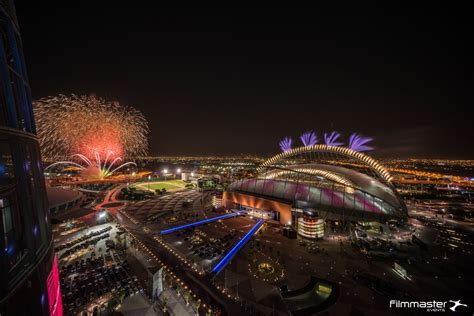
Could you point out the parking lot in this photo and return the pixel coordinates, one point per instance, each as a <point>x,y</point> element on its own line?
<point>95,272</point>
<point>201,247</point>
<point>90,285</point>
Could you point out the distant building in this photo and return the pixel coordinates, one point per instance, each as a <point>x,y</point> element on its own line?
<point>29,279</point>
<point>185,176</point>
<point>217,200</point>
<point>62,200</point>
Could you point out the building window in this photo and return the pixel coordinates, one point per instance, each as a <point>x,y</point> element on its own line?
<point>3,107</point>
<point>14,80</point>
<point>11,230</point>
<point>6,164</point>
<point>7,221</point>
<point>3,94</point>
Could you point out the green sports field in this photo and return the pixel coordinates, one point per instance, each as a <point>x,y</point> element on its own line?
<point>168,185</point>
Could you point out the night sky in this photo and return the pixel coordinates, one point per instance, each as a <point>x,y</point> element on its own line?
<point>227,82</point>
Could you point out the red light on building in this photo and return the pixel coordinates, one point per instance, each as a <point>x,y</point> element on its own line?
<point>54,291</point>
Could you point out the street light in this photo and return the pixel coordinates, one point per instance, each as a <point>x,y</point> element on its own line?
<point>149,178</point>
<point>165,171</point>
<point>178,170</point>
<point>101,216</point>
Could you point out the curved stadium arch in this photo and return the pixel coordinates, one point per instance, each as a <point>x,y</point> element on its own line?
<point>366,160</point>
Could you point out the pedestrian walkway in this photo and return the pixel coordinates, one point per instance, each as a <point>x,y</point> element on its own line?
<point>176,305</point>
<point>144,259</point>
<point>136,305</point>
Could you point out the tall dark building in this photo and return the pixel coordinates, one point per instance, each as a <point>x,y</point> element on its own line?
<point>29,282</point>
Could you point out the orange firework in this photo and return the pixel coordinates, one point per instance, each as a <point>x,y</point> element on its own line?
<point>94,131</point>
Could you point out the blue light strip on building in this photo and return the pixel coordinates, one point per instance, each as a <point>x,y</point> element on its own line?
<point>218,267</point>
<point>209,220</point>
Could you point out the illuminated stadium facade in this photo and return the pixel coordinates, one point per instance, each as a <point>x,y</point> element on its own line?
<point>317,188</point>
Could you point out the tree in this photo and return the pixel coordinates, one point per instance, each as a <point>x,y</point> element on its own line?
<point>197,306</point>
<point>117,299</point>
<point>112,305</point>
<point>164,302</point>
<point>186,297</point>
<point>163,276</point>
<point>121,296</point>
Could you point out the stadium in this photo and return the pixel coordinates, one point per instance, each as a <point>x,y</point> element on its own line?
<point>318,189</point>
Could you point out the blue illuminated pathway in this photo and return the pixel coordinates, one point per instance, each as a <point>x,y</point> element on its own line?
<point>218,267</point>
<point>209,220</point>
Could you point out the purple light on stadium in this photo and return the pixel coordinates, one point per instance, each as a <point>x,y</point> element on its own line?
<point>331,139</point>
<point>285,144</point>
<point>358,143</point>
<point>309,138</point>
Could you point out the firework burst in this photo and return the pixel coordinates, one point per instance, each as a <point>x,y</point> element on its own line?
<point>285,144</point>
<point>90,130</point>
<point>309,138</point>
<point>359,143</point>
<point>331,139</point>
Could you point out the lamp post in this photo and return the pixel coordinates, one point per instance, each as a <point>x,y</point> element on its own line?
<point>149,178</point>
<point>165,171</point>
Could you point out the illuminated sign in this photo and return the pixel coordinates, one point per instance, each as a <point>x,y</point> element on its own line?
<point>54,292</point>
<point>324,289</point>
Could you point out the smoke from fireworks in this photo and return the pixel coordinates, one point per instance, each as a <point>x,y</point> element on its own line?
<point>89,128</point>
